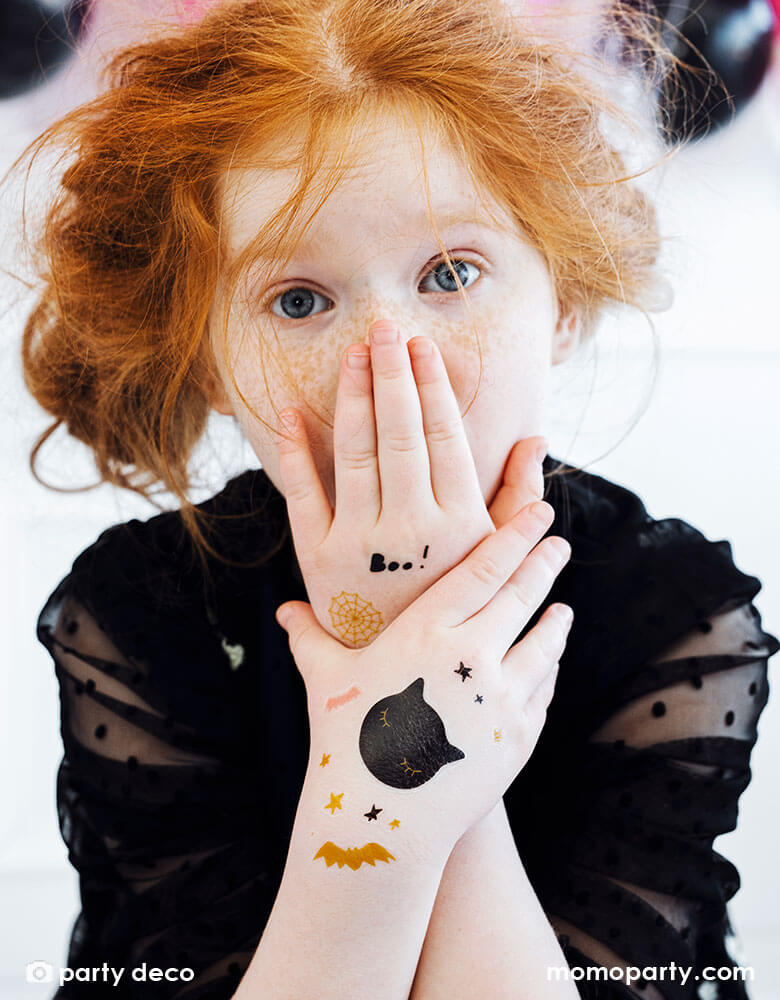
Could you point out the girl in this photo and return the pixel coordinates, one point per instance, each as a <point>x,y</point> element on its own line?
<point>400,215</point>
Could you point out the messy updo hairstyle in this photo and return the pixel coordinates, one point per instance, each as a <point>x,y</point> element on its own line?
<point>119,347</point>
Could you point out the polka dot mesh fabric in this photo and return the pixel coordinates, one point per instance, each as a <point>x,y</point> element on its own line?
<point>185,736</point>
<point>151,814</point>
<point>639,883</point>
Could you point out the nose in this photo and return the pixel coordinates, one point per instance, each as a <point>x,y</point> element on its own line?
<point>380,309</point>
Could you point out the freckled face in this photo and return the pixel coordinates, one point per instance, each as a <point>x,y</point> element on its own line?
<point>371,253</point>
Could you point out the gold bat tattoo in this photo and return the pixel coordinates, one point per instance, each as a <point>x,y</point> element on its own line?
<point>354,857</point>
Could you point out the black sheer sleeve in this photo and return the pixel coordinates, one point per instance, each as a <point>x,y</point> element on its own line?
<point>646,749</point>
<point>185,730</point>
<point>162,827</point>
<point>663,774</point>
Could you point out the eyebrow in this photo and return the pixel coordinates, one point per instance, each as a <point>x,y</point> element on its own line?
<point>446,218</point>
<point>453,217</point>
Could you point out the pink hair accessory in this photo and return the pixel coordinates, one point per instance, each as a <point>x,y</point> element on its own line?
<point>193,10</point>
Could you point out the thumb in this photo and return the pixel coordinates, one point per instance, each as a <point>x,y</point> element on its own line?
<point>522,482</point>
<point>308,639</point>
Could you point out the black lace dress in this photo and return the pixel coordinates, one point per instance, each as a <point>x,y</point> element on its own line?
<point>185,733</point>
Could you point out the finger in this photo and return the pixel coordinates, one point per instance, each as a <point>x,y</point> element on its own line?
<point>309,642</point>
<point>540,699</point>
<point>534,712</point>
<point>404,472</point>
<point>522,481</point>
<point>453,474</point>
<point>505,617</point>
<point>467,588</point>
<point>307,503</point>
<point>529,662</point>
<point>355,463</point>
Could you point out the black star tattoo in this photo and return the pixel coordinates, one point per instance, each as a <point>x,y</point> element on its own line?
<point>479,698</point>
<point>374,812</point>
<point>463,671</point>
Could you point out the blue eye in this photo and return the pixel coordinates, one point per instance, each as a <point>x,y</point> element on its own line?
<point>298,303</point>
<point>444,275</point>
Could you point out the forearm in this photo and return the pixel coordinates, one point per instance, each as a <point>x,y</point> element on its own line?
<point>338,931</point>
<point>488,934</point>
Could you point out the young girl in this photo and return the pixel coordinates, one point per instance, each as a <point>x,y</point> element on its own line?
<point>311,743</point>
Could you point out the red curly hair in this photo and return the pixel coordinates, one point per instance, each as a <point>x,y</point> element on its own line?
<point>118,347</point>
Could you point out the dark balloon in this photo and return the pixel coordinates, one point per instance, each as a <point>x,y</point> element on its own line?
<point>735,39</point>
<point>35,40</point>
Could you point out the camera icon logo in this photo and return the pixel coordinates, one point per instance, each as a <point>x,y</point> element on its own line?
<point>39,972</point>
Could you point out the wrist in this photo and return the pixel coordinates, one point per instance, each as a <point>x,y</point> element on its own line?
<point>493,822</point>
<point>350,810</point>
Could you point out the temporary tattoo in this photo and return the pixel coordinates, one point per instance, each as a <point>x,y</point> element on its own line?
<point>325,759</point>
<point>395,823</point>
<point>353,618</point>
<point>335,802</point>
<point>479,698</point>
<point>372,813</point>
<point>497,737</point>
<point>354,857</point>
<point>341,699</point>
<point>378,564</point>
<point>402,740</point>
<point>463,671</point>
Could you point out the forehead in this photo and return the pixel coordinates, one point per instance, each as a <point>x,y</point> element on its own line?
<point>384,178</point>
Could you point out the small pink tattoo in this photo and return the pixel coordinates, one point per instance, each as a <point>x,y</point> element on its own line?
<point>342,699</point>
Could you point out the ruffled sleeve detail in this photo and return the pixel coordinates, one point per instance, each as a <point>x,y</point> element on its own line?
<point>178,786</point>
<point>645,754</point>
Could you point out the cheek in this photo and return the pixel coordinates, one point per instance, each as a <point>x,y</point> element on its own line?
<point>506,395</point>
<point>311,389</point>
<point>509,367</point>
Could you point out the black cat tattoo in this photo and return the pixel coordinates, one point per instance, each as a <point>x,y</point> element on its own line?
<point>402,739</point>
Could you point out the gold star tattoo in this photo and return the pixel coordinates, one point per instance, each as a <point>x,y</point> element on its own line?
<point>335,802</point>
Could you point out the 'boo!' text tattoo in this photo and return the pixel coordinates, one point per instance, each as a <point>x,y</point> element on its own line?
<point>378,564</point>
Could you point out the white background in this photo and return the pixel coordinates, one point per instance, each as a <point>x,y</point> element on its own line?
<point>705,450</point>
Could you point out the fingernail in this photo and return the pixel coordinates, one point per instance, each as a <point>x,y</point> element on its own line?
<point>358,358</point>
<point>541,451</point>
<point>561,546</point>
<point>565,614</point>
<point>421,347</point>
<point>384,332</point>
<point>289,419</point>
<point>541,511</point>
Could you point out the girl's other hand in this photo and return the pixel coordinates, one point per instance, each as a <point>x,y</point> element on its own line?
<point>432,721</point>
<point>408,501</point>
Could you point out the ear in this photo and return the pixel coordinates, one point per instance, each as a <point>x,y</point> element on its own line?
<point>206,374</point>
<point>566,337</point>
<point>217,397</point>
